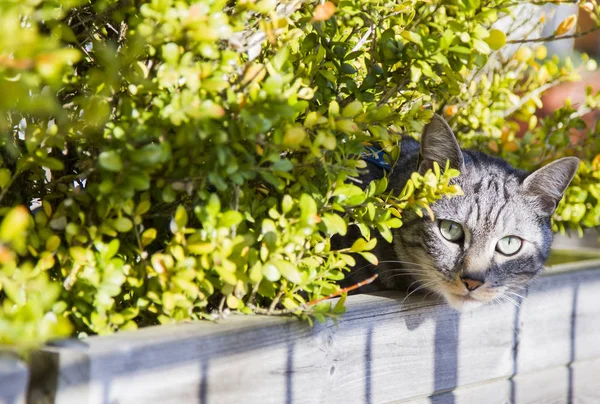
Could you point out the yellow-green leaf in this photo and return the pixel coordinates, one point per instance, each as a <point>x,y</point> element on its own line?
<point>497,39</point>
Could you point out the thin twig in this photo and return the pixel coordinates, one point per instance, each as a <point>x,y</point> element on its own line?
<point>392,91</point>
<point>554,37</point>
<point>344,290</point>
<point>253,295</point>
<point>529,96</point>
<point>364,39</point>
<point>275,301</point>
<point>540,3</point>
<point>221,305</point>
<point>272,312</point>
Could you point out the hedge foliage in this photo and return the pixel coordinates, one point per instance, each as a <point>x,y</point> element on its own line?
<point>170,160</point>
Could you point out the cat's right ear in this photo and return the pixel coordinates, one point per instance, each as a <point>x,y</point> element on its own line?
<point>439,144</point>
<point>549,183</point>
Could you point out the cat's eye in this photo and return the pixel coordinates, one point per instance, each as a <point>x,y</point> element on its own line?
<point>509,245</point>
<point>451,231</point>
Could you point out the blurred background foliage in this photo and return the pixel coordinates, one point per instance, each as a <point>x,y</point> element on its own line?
<point>170,160</point>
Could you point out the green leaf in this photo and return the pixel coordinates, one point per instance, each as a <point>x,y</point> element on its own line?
<point>382,185</point>
<point>15,224</point>
<point>201,248</point>
<point>79,254</point>
<point>171,53</point>
<point>370,257</point>
<point>359,245</point>
<point>280,58</point>
<point>273,180</point>
<point>15,293</point>
<point>112,249</point>
<point>347,125</point>
<point>122,224</point>
<point>230,218</point>
<point>271,272</point>
<point>308,208</point>
<point>352,109</point>
<point>289,271</point>
<point>294,136</point>
<point>180,219</point>
<point>481,46</point>
<point>51,163</point>
<point>370,245</point>
<point>393,223</point>
<point>5,177</point>
<point>385,232</point>
<point>226,276</point>
<point>415,74</point>
<point>283,165</point>
<point>287,203</point>
<point>255,273</point>
<point>149,155</point>
<point>460,49</point>
<point>111,161</point>
<point>53,243</point>
<point>335,224</point>
<point>497,39</point>
<point>339,307</point>
<point>148,236</point>
<point>412,37</point>
<point>346,191</point>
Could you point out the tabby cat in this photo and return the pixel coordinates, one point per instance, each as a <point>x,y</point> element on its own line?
<point>483,246</point>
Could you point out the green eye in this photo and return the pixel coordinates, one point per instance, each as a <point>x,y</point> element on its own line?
<point>509,245</point>
<point>451,231</point>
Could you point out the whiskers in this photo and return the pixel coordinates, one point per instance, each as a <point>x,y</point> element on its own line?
<point>424,285</point>
<point>506,298</point>
<point>412,264</point>
<point>510,296</point>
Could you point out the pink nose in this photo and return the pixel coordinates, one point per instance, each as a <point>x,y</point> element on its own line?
<point>471,284</point>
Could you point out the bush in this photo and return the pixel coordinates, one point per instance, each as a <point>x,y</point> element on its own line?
<point>166,161</point>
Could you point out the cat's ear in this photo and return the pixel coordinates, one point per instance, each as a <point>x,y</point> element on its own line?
<point>548,184</point>
<point>439,144</point>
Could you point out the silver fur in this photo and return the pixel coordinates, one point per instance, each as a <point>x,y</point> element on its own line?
<point>498,201</point>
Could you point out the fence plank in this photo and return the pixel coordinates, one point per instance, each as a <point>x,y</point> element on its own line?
<point>546,386</point>
<point>585,376</point>
<point>14,377</point>
<point>382,350</point>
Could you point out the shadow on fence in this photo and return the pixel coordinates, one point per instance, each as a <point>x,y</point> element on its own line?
<point>224,341</point>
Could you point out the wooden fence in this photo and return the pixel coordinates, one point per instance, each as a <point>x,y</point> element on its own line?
<point>383,350</point>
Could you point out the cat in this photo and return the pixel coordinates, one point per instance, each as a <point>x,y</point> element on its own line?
<point>483,246</point>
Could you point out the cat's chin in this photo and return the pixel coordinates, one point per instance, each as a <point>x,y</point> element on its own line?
<point>462,303</point>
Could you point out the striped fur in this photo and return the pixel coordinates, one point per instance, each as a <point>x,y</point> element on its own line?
<point>498,201</point>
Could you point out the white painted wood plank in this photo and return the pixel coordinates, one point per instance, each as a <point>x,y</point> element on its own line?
<point>14,377</point>
<point>491,392</point>
<point>587,321</point>
<point>586,381</point>
<point>559,317</point>
<point>545,386</point>
<point>577,383</point>
<point>381,351</point>
<point>545,327</point>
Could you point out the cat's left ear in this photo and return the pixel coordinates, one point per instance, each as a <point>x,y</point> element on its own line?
<point>549,183</point>
<point>439,144</point>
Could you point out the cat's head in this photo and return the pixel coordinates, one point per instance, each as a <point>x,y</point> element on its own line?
<point>486,245</point>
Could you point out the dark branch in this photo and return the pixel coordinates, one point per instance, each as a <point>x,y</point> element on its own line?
<point>554,37</point>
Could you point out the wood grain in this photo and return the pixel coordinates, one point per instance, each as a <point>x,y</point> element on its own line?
<point>383,350</point>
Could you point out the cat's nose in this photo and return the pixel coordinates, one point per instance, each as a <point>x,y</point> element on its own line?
<point>471,284</point>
